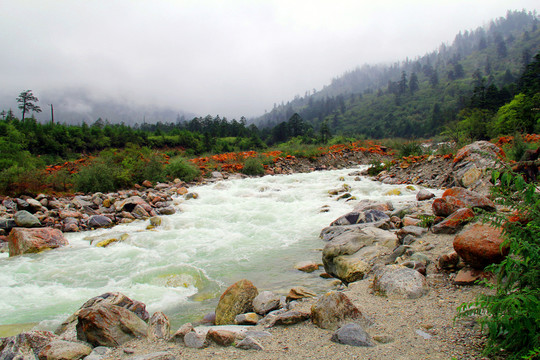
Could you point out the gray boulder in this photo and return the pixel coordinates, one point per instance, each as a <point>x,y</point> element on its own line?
<point>361,217</point>
<point>65,350</point>
<point>158,327</point>
<point>26,345</point>
<point>24,219</point>
<point>400,282</point>
<point>352,334</point>
<point>333,309</point>
<point>99,221</point>
<point>265,302</point>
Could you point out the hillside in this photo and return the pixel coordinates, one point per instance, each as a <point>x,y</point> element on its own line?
<point>416,98</point>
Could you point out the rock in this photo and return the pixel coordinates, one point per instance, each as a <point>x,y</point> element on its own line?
<point>34,205</point>
<point>456,198</point>
<point>249,343</point>
<point>98,353</point>
<point>71,225</point>
<point>158,327</point>
<point>265,302</point>
<point>190,196</point>
<point>27,241</point>
<point>409,221</point>
<point>108,325</point>
<point>221,337</point>
<point>147,183</point>
<point>64,214</point>
<point>26,345</point>
<point>178,336</point>
<point>160,355</point>
<point>307,266</point>
<point>237,299</point>
<point>454,222</point>
<point>167,210</point>
<point>139,212</point>
<point>182,191</point>
<point>470,276</point>
<point>195,340</point>
<point>247,319</point>
<point>352,334</point>
<point>131,203</point>
<point>64,350</point>
<point>424,194</point>
<point>399,282</point>
<point>480,246</point>
<point>99,221</point>
<point>448,261</point>
<point>362,217</point>
<point>299,292</point>
<point>350,268</point>
<point>290,317</point>
<point>24,219</point>
<point>7,225</point>
<point>415,231</point>
<point>332,309</point>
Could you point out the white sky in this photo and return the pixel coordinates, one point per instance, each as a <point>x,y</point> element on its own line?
<point>226,57</point>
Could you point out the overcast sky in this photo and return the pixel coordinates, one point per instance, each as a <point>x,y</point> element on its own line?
<point>226,57</point>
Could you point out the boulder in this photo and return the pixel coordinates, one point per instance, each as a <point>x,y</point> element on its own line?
<point>221,337</point>
<point>399,282</point>
<point>158,327</point>
<point>99,221</point>
<point>27,241</point>
<point>470,276</point>
<point>247,319</point>
<point>26,345</point>
<point>26,220</point>
<point>416,231</point>
<point>70,224</point>
<point>178,336</point>
<point>64,350</point>
<point>457,198</point>
<point>480,245</point>
<point>351,268</point>
<point>108,325</point>
<point>237,299</point>
<point>7,225</point>
<point>99,353</point>
<point>249,343</point>
<point>196,340</point>
<point>139,212</point>
<point>299,292</point>
<point>307,266</point>
<point>361,217</point>
<point>159,355</point>
<point>454,222</point>
<point>352,334</point>
<point>34,205</point>
<point>424,194</point>
<point>333,309</point>
<point>130,203</point>
<point>265,302</point>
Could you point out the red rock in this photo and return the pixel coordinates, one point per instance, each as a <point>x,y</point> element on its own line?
<point>480,246</point>
<point>221,337</point>
<point>457,198</point>
<point>469,276</point>
<point>24,241</point>
<point>409,221</point>
<point>454,222</point>
<point>147,183</point>
<point>449,261</point>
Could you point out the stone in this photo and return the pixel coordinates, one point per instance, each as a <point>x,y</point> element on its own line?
<point>34,205</point>
<point>108,325</point>
<point>409,221</point>
<point>299,292</point>
<point>158,327</point>
<point>28,241</point>
<point>99,221</point>
<point>195,340</point>
<point>290,317</point>
<point>190,196</point>
<point>140,212</point>
<point>249,343</point>
<point>247,319</point>
<point>221,337</point>
<point>160,355</point>
<point>167,210</point>
<point>424,194</point>
<point>307,266</point>
<point>470,276</point>
<point>147,183</point>
<point>454,222</point>
<point>361,217</point>
<point>130,203</point>
<point>178,336</point>
<point>399,282</point>
<point>26,345</point>
<point>456,198</point>
<point>7,225</point>
<point>237,299</point>
<point>480,245</point>
<point>24,219</point>
<point>415,231</point>
<point>448,261</point>
<point>333,309</point>
<point>182,191</point>
<point>64,350</point>
<point>98,353</point>
<point>265,302</point>
<point>70,225</point>
<point>352,334</point>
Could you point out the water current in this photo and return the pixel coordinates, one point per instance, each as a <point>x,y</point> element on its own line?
<point>256,228</point>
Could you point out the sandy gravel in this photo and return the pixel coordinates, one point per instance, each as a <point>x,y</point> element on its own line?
<point>404,323</point>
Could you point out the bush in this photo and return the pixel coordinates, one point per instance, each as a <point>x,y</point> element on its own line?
<point>182,169</point>
<point>375,167</point>
<point>253,166</point>
<point>98,176</point>
<point>517,148</point>
<point>512,314</point>
<point>410,148</point>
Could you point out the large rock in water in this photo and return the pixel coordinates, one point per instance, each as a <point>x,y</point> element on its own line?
<point>26,345</point>
<point>458,198</point>
<point>25,241</point>
<point>333,309</point>
<point>400,282</point>
<point>480,246</point>
<point>237,299</point>
<point>159,327</point>
<point>361,217</point>
<point>472,163</point>
<point>109,325</point>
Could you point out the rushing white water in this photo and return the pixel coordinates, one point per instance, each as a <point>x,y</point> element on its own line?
<point>252,228</point>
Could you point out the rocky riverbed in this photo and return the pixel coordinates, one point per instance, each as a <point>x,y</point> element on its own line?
<point>394,285</point>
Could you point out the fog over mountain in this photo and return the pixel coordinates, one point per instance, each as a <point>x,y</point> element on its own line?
<point>137,61</point>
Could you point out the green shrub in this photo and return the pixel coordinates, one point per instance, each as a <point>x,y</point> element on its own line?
<point>375,167</point>
<point>517,148</point>
<point>98,176</point>
<point>182,169</point>
<point>512,314</point>
<point>410,148</point>
<point>253,166</point>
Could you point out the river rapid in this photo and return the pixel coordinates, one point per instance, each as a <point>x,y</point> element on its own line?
<point>256,228</point>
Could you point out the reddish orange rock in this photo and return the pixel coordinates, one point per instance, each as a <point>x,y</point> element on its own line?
<point>454,222</point>
<point>480,246</point>
<point>457,198</point>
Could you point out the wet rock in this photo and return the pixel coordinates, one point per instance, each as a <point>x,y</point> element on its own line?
<point>424,194</point>
<point>158,327</point>
<point>237,299</point>
<point>307,266</point>
<point>25,241</point>
<point>265,302</point>
<point>454,222</point>
<point>167,210</point>
<point>178,336</point>
<point>140,212</point>
<point>333,309</point>
<point>108,325</point>
<point>249,343</point>
<point>299,292</point>
<point>65,350</point>
<point>356,217</point>
<point>99,221</point>
<point>399,282</point>
<point>25,219</point>
<point>70,224</point>
<point>480,246</point>
<point>26,345</point>
<point>352,334</point>
<point>7,225</point>
<point>457,198</point>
